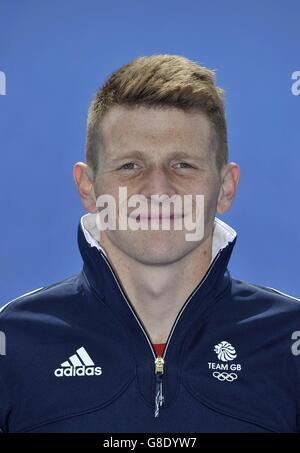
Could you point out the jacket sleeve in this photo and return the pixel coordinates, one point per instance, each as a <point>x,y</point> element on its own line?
<point>5,379</point>
<point>4,398</point>
<point>294,376</point>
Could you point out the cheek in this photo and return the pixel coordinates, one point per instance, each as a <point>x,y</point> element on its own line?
<point>106,185</point>
<point>210,190</point>
<point>206,186</point>
<point>115,190</point>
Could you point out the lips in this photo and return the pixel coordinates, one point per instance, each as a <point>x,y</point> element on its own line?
<point>159,217</point>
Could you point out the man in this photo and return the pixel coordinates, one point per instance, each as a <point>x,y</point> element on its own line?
<point>153,334</point>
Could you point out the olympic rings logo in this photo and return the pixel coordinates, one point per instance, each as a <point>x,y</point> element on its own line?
<point>229,377</point>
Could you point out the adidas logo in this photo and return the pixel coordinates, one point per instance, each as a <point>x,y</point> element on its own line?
<point>79,364</point>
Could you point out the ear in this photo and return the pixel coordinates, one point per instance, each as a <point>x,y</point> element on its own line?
<point>83,177</point>
<point>230,177</point>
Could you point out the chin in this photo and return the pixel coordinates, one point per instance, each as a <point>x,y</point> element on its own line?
<point>159,248</point>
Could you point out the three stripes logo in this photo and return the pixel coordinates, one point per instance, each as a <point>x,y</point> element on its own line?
<point>79,364</point>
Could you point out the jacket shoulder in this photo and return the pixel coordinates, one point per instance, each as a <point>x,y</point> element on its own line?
<point>264,294</point>
<point>40,299</point>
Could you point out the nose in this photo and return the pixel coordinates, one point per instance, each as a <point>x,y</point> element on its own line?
<point>157,182</point>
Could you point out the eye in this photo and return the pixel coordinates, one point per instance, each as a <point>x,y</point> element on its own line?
<point>183,165</point>
<point>128,166</point>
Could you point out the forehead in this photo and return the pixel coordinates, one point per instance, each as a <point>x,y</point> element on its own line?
<point>140,127</point>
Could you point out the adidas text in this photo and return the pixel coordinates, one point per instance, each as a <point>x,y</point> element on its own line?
<point>78,371</point>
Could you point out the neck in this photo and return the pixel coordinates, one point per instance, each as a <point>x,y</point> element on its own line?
<point>158,292</point>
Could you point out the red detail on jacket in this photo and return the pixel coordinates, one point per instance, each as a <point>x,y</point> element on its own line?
<point>159,348</point>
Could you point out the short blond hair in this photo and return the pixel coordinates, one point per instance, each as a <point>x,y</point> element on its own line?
<point>160,81</point>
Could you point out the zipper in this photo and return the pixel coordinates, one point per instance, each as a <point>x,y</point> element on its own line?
<point>159,371</point>
<point>159,361</point>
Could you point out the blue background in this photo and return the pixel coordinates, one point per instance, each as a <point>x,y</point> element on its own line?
<point>55,54</point>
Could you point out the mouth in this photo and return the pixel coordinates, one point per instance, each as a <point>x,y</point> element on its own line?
<point>142,217</point>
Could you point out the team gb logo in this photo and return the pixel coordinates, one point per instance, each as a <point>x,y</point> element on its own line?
<point>225,351</point>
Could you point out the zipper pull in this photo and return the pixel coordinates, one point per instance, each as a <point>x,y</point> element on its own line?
<point>159,371</point>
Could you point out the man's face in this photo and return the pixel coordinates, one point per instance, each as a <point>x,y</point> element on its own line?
<point>155,151</point>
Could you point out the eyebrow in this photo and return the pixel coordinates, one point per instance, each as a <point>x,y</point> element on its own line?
<point>129,155</point>
<point>185,155</point>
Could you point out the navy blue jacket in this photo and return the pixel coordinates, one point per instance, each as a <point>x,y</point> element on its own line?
<point>78,358</point>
